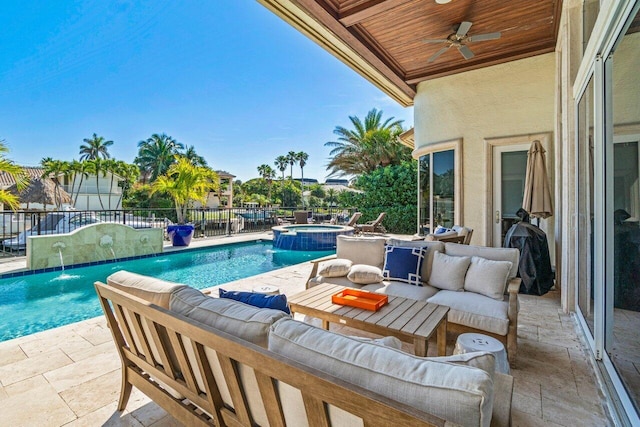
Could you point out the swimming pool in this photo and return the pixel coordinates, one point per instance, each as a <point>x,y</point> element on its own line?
<point>38,302</point>
<point>308,237</point>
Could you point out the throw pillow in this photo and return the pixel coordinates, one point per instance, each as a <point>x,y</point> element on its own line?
<point>447,272</point>
<point>365,274</point>
<point>403,264</point>
<point>277,302</point>
<point>487,277</point>
<point>335,268</point>
<point>440,229</point>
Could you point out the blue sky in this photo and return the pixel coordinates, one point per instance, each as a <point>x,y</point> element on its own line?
<point>227,76</point>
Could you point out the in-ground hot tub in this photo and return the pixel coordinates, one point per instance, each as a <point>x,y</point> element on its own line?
<point>308,237</point>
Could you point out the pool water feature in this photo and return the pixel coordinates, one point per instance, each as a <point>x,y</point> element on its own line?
<point>308,237</point>
<point>37,302</point>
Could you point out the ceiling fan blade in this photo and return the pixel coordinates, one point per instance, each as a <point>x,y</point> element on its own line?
<point>434,40</point>
<point>463,29</point>
<point>482,37</point>
<point>466,52</point>
<point>437,54</point>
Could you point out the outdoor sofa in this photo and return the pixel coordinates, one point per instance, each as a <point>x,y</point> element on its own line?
<point>214,361</point>
<point>477,283</point>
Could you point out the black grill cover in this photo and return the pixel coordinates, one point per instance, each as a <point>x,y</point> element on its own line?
<point>535,265</point>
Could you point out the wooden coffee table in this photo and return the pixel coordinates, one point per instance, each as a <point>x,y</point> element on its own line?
<point>409,320</point>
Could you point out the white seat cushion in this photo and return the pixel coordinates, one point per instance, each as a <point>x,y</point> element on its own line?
<point>475,310</point>
<point>457,393</point>
<point>399,289</point>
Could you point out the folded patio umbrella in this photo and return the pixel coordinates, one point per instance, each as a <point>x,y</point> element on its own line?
<point>537,192</point>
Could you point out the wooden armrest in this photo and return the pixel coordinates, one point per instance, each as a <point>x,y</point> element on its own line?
<point>512,313</point>
<point>513,287</point>
<point>316,263</point>
<point>324,258</point>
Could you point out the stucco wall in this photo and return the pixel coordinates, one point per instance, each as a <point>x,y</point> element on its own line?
<point>515,98</point>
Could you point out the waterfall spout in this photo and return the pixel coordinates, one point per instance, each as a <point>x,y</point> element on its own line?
<point>60,246</point>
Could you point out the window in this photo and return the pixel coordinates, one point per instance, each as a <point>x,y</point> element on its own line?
<point>585,218</point>
<point>622,214</point>
<point>439,188</point>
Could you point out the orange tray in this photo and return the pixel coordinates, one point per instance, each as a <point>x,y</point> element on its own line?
<point>360,299</point>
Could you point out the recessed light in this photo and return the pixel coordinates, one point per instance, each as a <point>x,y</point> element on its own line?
<point>443,1</point>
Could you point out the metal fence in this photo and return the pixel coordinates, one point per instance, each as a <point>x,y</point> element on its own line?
<point>17,226</point>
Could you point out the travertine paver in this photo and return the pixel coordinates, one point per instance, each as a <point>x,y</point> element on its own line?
<point>71,376</point>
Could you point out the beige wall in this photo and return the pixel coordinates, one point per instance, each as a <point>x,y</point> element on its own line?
<point>516,98</point>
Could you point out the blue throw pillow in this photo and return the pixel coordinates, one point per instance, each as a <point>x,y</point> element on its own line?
<point>440,229</point>
<point>403,264</point>
<point>277,302</point>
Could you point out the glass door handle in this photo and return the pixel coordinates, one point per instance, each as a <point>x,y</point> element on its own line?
<point>497,217</point>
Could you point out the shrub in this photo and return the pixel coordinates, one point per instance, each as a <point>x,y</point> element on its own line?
<point>392,189</point>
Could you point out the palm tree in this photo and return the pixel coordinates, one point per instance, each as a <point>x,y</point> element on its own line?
<point>302,158</point>
<point>193,157</point>
<point>97,167</point>
<point>185,182</point>
<point>281,163</point>
<point>369,145</point>
<point>53,169</point>
<point>130,174</point>
<point>267,173</point>
<point>331,196</point>
<point>292,159</point>
<point>17,173</point>
<point>156,154</point>
<point>95,147</point>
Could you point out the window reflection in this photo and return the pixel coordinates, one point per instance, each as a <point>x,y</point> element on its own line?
<point>437,190</point>
<point>585,219</point>
<point>622,340</point>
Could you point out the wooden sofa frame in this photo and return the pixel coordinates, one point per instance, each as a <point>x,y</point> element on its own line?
<point>167,330</point>
<point>510,340</point>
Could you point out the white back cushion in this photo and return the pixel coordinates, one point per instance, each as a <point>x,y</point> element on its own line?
<point>361,250</point>
<point>457,393</point>
<point>496,254</point>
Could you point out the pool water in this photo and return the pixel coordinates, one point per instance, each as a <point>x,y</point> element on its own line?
<point>38,302</point>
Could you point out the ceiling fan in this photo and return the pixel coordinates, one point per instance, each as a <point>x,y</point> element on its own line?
<point>459,39</point>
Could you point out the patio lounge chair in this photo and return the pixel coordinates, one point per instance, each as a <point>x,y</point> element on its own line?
<point>373,226</point>
<point>303,217</point>
<point>354,219</point>
<point>457,234</point>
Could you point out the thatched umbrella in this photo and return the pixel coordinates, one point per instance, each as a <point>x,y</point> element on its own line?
<point>43,191</point>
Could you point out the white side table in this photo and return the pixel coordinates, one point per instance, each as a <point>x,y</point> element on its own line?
<point>267,290</point>
<point>468,343</point>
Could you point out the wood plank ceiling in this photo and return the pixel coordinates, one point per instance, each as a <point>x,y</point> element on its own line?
<point>394,32</point>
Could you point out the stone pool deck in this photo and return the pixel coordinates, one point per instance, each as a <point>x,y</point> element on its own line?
<point>70,376</point>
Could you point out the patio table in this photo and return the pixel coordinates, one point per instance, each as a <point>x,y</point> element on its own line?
<point>406,319</point>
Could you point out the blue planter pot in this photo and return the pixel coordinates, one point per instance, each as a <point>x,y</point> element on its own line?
<point>180,234</point>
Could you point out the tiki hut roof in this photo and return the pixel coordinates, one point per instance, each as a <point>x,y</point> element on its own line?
<point>43,191</point>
